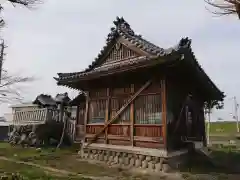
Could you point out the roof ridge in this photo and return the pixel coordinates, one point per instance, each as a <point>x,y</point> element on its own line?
<point>123,26</point>
<point>123,29</point>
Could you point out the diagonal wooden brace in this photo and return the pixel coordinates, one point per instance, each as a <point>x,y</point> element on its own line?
<point>132,98</point>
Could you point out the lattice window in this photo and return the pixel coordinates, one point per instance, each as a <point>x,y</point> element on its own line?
<point>148,109</point>
<point>116,104</point>
<point>97,109</point>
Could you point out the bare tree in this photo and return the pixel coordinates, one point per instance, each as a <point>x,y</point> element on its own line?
<point>9,90</point>
<point>225,7</point>
<point>9,83</point>
<point>26,3</point>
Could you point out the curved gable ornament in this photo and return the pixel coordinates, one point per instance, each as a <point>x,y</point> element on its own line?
<point>118,46</point>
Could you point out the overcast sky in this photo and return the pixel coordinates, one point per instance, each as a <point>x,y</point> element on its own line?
<point>66,35</point>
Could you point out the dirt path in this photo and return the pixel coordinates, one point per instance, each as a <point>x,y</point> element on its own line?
<point>54,170</point>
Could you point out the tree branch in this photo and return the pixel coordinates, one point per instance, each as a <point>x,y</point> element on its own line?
<point>26,2</point>
<point>224,7</point>
<point>9,82</point>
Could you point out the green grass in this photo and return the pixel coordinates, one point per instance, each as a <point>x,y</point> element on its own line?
<point>31,173</point>
<point>63,159</point>
<point>32,155</point>
<point>226,163</point>
<point>222,127</point>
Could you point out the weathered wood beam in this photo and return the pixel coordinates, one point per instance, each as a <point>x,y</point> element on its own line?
<point>107,114</point>
<point>77,114</point>
<point>132,118</point>
<point>164,111</point>
<point>86,114</point>
<point>131,99</point>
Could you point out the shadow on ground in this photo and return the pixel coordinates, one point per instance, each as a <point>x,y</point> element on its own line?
<point>221,164</point>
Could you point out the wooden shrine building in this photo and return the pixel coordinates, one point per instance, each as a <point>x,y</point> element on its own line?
<point>139,98</point>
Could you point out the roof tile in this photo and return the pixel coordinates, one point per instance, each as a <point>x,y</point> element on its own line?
<point>123,29</point>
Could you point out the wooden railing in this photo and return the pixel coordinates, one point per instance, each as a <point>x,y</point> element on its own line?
<point>40,116</point>
<point>36,116</point>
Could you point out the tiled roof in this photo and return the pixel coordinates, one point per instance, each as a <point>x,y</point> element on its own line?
<point>123,29</point>
<point>62,98</point>
<point>156,55</point>
<point>79,98</point>
<point>44,100</point>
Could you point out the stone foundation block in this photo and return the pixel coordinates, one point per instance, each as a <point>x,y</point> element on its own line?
<point>138,163</point>
<point>105,158</point>
<point>128,160</point>
<point>144,164</point>
<point>110,159</point>
<point>165,168</point>
<point>96,156</point>
<point>158,167</point>
<point>132,162</point>
<point>151,166</point>
<point>91,156</point>
<point>116,159</point>
<point>101,157</point>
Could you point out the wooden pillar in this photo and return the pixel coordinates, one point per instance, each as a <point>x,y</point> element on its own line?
<point>77,115</point>
<point>203,130</point>
<point>107,114</point>
<point>132,117</point>
<point>86,115</point>
<point>76,122</point>
<point>61,114</point>
<point>164,111</point>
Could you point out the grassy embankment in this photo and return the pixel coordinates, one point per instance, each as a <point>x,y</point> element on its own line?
<point>223,128</point>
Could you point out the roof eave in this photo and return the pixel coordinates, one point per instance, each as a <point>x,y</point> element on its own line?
<point>148,63</point>
<point>218,94</point>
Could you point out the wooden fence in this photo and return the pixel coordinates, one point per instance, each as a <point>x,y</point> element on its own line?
<point>40,116</point>
<point>35,116</point>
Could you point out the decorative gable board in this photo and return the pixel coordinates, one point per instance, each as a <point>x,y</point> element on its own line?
<point>120,52</point>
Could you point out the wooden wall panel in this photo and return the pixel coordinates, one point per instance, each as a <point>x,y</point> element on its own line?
<point>94,128</point>
<point>148,130</point>
<point>119,130</point>
<point>154,88</point>
<point>119,142</point>
<point>148,144</point>
<point>123,131</point>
